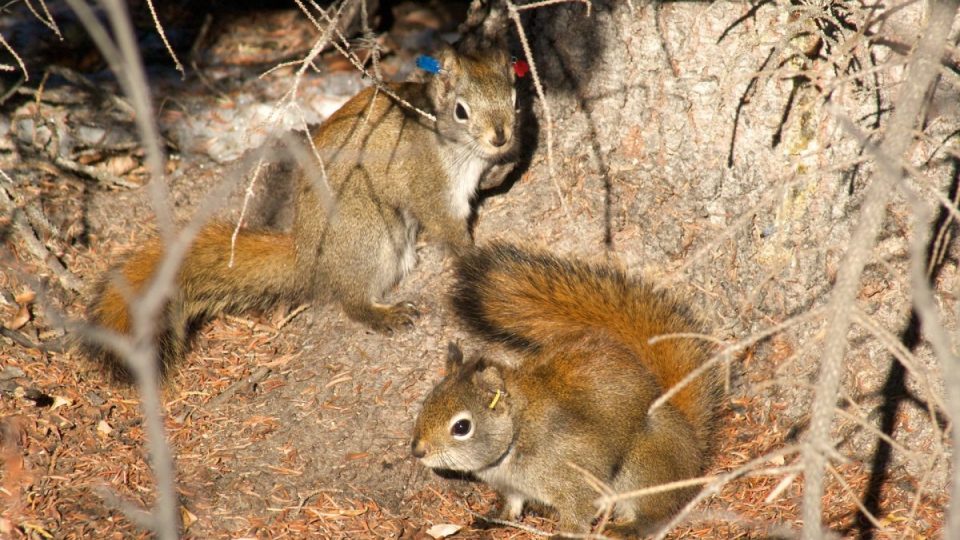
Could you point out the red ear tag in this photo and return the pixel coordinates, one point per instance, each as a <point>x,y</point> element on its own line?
<point>520,67</point>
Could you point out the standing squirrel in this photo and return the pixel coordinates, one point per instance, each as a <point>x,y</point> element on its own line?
<point>578,394</point>
<point>391,173</point>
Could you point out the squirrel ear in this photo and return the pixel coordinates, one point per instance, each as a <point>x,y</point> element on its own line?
<point>488,377</point>
<point>454,357</point>
<point>448,57</point>
<point>500,55</point>
<point>445,81</point>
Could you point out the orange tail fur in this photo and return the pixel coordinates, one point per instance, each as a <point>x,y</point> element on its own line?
<point>264,272</point>
<point>534,300</point>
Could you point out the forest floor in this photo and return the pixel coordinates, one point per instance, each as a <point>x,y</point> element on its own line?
<point>293,426</point>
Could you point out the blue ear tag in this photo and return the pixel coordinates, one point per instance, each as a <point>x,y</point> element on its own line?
<point>428,64</point>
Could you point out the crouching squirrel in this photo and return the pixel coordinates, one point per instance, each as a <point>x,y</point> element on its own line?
<point>578,393</point>
<point>392,173</point>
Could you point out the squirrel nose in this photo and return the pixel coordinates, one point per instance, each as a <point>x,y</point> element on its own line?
<point>499,137</point>
<point>418,448</point>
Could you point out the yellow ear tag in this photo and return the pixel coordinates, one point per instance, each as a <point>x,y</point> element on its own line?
<point>496,399</point>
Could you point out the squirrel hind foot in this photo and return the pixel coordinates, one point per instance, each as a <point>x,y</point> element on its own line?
<point>385,318</point>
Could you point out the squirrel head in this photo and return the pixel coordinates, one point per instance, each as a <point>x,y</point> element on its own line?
<point>465,423</point>
<point>475,99</point>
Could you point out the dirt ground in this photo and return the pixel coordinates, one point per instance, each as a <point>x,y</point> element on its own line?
<point>296,423</point>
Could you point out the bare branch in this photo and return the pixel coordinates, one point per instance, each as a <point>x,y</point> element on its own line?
<point>29,236</point>
<point>717,484</point>
<point>23,68</point>
<point>124,59</point>
<point>535,531</point>
<point>920,74</point>
<point>163,36</point>
<point>926,307</point>
<point>47,19</point>
<point>726,353</point>
<point>514,14</point>
<point>545,3</point>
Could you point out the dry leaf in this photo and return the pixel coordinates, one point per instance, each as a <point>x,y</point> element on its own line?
<point>25,298</point>
<point>443,530</point>
<point>59,401</point>
<point>36,529</point>
<point>21,318</point>
<point>187,517</point>
<point>120,165</point>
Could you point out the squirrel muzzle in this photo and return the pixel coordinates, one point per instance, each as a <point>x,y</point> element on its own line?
<point>418,448</point>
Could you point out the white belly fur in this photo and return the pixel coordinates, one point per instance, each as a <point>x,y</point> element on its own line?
<point>464,172</point>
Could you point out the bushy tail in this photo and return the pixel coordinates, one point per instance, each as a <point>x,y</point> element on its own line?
<point>531,300</point>
<point>264,272</point>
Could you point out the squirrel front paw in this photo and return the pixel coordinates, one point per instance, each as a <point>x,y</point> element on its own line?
<point>511,510</point>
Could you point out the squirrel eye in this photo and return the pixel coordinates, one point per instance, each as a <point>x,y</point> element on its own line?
<point>461,112</point>
<point>461,427</point>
